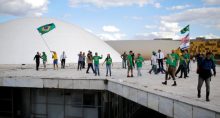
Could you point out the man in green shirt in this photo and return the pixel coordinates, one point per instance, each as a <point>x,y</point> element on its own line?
<point>96,63</point>
<point>44,58</point>
<point>187,57</point>
<point>172,61</point>
<point>130,64</point>
<point>182,67</point>
<point>139,62</point>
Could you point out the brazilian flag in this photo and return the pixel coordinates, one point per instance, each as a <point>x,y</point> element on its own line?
<point>185,29</point>
<point>46,28</point>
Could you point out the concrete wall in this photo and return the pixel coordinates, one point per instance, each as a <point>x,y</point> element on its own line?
<point>167,105</point>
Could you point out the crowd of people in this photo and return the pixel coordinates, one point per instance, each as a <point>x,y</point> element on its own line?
<point>175,63</point>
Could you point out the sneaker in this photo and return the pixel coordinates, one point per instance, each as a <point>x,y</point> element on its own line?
<point>174,84</point>
<point>164,83</point>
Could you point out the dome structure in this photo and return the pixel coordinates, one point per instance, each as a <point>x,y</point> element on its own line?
<point>20,40</point>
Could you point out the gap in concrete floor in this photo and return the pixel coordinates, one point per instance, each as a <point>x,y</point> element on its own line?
<point>66,103</point>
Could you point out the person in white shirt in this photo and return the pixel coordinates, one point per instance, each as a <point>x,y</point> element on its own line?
<point>160,58</point>
<point>153,63</point>
<point>63,59</point>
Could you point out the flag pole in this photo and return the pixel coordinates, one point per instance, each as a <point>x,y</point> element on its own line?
<point>45,42</point>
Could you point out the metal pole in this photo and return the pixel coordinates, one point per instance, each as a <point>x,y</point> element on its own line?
<point>45,42</point>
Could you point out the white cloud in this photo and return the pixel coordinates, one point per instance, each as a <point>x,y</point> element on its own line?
<point>165,30</point>
<point>169,26</point>
<point>157,5</point>
<point>154,35</point>
<point>114,3</point>
<point>110,28</point>
<point>114,36</point>
<point>178,7</point>
<point>201,16</point>
<point>23,7</point>
<point>212,2</point>
<point>194,15</point>
<point>210,36</point>
<point>150,26</point>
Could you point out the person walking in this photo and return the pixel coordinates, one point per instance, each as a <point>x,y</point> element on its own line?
<point>124,59</point>
<point>44,58</point>
<point>130,65</point>
<point>108,61</point>
<point>160,58</point>
<point>84,60</point>
<point>139,62</point>
<point>96,59</point>
<point>80,61</point>
<point>187,57</point>
<point>182,67</point>
<point>63,59</point>
<point>153,63</point>
<point>204,70</point>
<point>89,62</point>
<point>133,58</point>
<point>55,60</point>
<point>37,60</point>
<point>171,62</point>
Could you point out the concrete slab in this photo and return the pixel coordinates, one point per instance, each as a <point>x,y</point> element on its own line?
<point>202,113</point>
<point>142,98</point>
<point>153,101</point>
<point>67,84</point>
<point>111,86</point>
<point>125,91</point>
<point>217,115</point>
<point>133,94</point>
<point>50,83</point>
<point>8,82</point>
<point>97,85</point>
<point>119,89</point>
<point>182,110</point>
<point>166,106</point>
<point>185,91</point>
<point>81,84</point>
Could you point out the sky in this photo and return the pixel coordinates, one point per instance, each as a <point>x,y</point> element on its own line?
<point>124,19</point>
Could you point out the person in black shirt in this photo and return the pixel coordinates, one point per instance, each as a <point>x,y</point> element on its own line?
<point>204,67</point>
<point>37,59</point>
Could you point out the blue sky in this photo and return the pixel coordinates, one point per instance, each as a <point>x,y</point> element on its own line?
<point>124,19</point>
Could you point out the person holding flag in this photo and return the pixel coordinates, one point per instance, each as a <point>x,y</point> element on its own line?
<point>55,60</point>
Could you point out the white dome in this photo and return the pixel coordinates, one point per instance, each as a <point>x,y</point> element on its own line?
<point>20,41</point>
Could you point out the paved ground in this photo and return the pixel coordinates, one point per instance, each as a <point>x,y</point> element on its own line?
<point>186,88</point>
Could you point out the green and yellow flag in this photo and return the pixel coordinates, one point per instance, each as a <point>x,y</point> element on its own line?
<point>46,28</point>
<point>185,29</point>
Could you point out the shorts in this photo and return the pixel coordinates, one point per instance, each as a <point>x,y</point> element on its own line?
<point>55,61</point>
